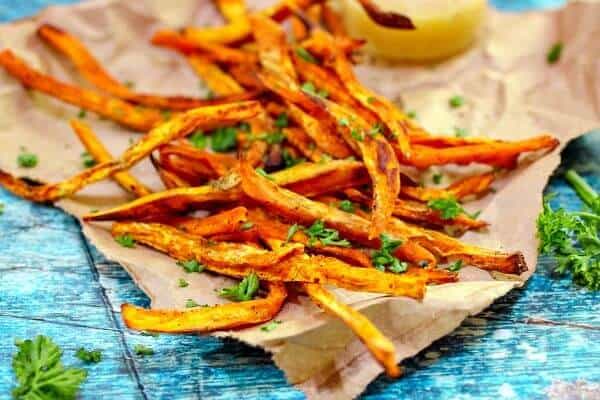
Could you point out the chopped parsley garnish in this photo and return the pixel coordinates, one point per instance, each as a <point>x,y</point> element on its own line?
<point>244,126</point>
<point>448,208</point>
<point>223,139</point>
<point>343,122</point>
<point>142,350</point>
<point>291,232</point>
<point>166,114</point>
<point>182,283</point>
<point>273,138</point>
<point>27,159</point>
<point>129,84</point>
<point>456,101</point>
<point>346,205</point>
<point>282,121</point>
<point>210,95</point>
<point>455,266</point>
<point>190,266</point>
<point>327,236</point>
<point>125,240</point>
<point>289,159</point>
<point>87,159</point>
<point>572,237</point>
<point>305,55</point>
<point>263,173</point>
<point>310,88</point>
<point>554,53</point>
<point>271,325</point>
<point>189,303</point>
<point>82,113</point>
<point>40,373</point>
<point>356,135</point>
<point>411,114</point>
<point>198,140</point>
<point>460,132</point>
<point>247,225</point>
<point>384,257</point>
<point>371,99</point>
<point>376,129</point>
<point>437,178</point>
<point>243,291</point>
<point>89,356</point>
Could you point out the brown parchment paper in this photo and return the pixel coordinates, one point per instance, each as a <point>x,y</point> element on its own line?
<point>511,92</point>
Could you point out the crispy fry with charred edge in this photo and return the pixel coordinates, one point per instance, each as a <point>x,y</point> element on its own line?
<point>101,154</point>
<point>301,141</point>
<point>329,144</point>
<point>495,153</point>
<point>193,173</point>
<point>398,124</point>
<point>224,190</point>
<point>270,227</point>
<point>247,76</point>
<point>386,18</point>
<point>229,256</point>
<point>219,163</point>
<point>212,51</point>
<point>207,319</point>
<point>93,71</point>
<point>238,260</point>
<point>296,207</point>
<point>378,344</point>
<point>227,221</point>
<point>115,109</point>
<point>475,185</point>
<point>215,78</point>
<point>177,127</point>
<point>418,212</point>
<point>170,179</point>
<point>299,29</point>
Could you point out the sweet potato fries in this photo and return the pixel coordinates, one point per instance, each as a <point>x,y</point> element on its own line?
<point>295,164</point>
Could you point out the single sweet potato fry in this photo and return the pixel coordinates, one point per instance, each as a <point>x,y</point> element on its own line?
<point>378,344</point>
<point>301,141</point>
<point>475,185</point>
<point>227,221</point>
<point>333,21</point>
<point>221,83</point>
<point>207,319</point>
<point>101,154</point>
<point>221,164</point>
<point>139,119</point>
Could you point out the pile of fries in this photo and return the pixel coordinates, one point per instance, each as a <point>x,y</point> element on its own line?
<point>305,190</point>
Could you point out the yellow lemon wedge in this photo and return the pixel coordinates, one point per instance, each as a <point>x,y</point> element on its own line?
<point>443,28</point>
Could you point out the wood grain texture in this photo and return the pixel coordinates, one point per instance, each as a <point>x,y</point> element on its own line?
<point>53,282</point>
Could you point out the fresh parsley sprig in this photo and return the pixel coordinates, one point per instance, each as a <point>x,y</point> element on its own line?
<point>384,257</point>
<point>243,291</point>
<point>327,236</point>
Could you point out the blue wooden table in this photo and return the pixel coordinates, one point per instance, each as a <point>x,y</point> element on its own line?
<point>528,345</point>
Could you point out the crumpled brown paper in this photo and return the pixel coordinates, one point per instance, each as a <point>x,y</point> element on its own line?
<point>511,92</point>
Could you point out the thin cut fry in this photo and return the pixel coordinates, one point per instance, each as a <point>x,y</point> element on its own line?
<point>221,83</point>
<point>475,185</point>
<point>301,141</point>
<point>219,163</point>
<point>378,344</point>
<point>299,29</point>
<point>207,319</point>
<point>100,154</point>
<point>238,260</point>
<point>224,222</point>
<point>333,21</point>
<point>170,179</point>
<point>117,110</point>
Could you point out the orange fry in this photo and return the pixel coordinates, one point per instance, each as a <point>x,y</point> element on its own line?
<point>221,83</point>
<point>100,154</point>
<point>333,21</point>
<point>223,222</point>
<point>299,29</point>
<point>169,178</point>
<point>301,141</point>
<point>207,319</point>
<point>219,163</point>
<point>475,185</point>
<point>115,109</point>
<point>378,344</point>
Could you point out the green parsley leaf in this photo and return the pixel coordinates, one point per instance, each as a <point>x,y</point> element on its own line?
<point>305,55</point>
<point>190,266</point>
<point>554,53</point>
<point>40,373</point>
<point>449,208</point>
<point>129,84</point>
<point>198,140</point>
<point>456,101</point>
<point>356,135</point>
<point>327,236</point>
<point>273,138</point>
<point>384,257</point>
<point>182,283</point>
<point>460,132</point>
<point>411,114</point>
<point>343,122</point>
<point>210,95</point>
<point>376,129</point>
<point>87,159</point>
<point>347,206</point>
<point>89,356</point>
<point>243,291</point>
<point>289,160</point>
<point>291,232</point>
<point>82,113</point>
<point>437,178</point>
<point>455,266</point>
<point>166,114</point>
<point>27,159</point>
<point>310,88</point>
<point>271,325</point>
<point>142,350</point>
<point>247,225</point>
<point>371,99</point>
<point>282,121</point>
<point>125,240</point>
<point>189,303</point>
<point>263,173</point>
<point>223,139</point>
